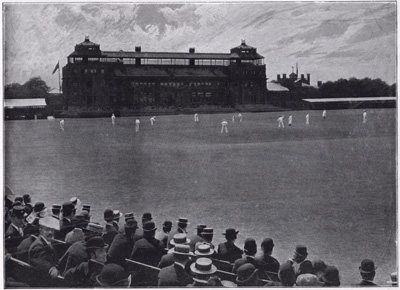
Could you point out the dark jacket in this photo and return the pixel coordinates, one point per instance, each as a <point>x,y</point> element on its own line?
<point>148,250</point>
<point>194,239</point>
<point>229,252</point>
<point>174,275</point>
<point>83,275</point>
<point>242,261</point>
<point>268,267</point>
<point>120,249</point>
<point>367,283</point>
<point>166,260</point>
<point>304,267</point>
<point>75,255</point>
<point>12,239</point>
<point>42,256</point>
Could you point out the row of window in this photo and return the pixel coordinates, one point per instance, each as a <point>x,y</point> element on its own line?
<point>175,84</point>
<point>89,70</point>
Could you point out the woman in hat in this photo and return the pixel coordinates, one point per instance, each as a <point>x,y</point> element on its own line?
<point>228,251</point>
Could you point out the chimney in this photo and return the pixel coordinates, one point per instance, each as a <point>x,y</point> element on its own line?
<point>87,38</point>
<point>302,76</point>
<point>191,50</point>
<point>243,42</point>
<point>278,77</point>
<point>319,84</point>
<point>308,78</point>
<point>138,48</point>
<point>284,76</point>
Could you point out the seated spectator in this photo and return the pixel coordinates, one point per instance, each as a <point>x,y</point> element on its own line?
<point>367,271</point>
<point>39,211</point>
<point>163,236</point>
<point>68,222</point>
<point>117,217</point>
<point>204,251</point>
<point>73,236</point>
<point>202,270</point>
<point>85,273</point>
<point>168,259</point>
<point>181,229</point>
<point>127,216</point>
<point>300,264</point>
<point>308,280</point>
<point>16,228</point>
<point>250,250</point>
<point>27,202</point>
<point>247,276</point>
<point>42,255</point>
<point>109,233</point>
<point>56,210</point>
<point>331,276</point>
<point>319,267</point>
<point>23,248</point>
<point>268,266</point>
<point>176,275</point>
<point>228,251</point>
<point>207,234</point>
<point>113,276</point>
<point>86,207</point>
<point>196,238</point>
<point>77,253</point>
<point>393,279</point>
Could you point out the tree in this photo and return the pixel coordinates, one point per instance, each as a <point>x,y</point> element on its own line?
<point>36,88</point>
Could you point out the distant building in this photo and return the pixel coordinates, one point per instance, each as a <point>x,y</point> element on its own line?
<point>134,79</point>
<point>294,80</point>
<point>25,109</point>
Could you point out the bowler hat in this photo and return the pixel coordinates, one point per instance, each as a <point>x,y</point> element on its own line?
<point>149,226</point>
<point>39,206</point>
<point>180,239</point>
<point>96,243</point>
<point>109,214</point>
<point>18,211</point>
<point>301,250</point>
<point>183,221</point>
<point>130,224</point>
<point>267,244</point>
<point>308,280</point>
<point>19,198</point>
<point>367,266</point>
<point>331,276</point>
<point>207,231</point>
<point>26,198</point>
<point>117,214</point>
<point>147,216</point>
<point>203,266</point>
<point>67,207</point>
<point>250,246</point>
<point>167,224</point>
<point>94,228</point>
<point>112,275</point>
<point>204,250</point>
<point>245,273</point>
<point>180,249</point>
<point>50,222</point>
<point>230,233</point>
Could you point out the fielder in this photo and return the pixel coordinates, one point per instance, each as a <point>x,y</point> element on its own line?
<point>290,119</point>
<point>137,125</point>
<point>364,117</point>
<point>280,122</point>
<point>324,114</point>
<point>239,117</point>
<point>224,126</point>
<point>113,119</point>
<point>196,117</point>
<point>307,119</point>
<point>62,124</point>
<point>152,119</point>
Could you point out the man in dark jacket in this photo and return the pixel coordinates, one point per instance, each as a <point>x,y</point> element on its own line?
<point>163,236</point>
<point>181,229</point>
<point>267,265</point>
<point>177,274</point>
<point>228,251</point>
<point>299,262</point>
<point>250,250</point>
<point>15,232</point>
<point>367,271</point>
<point>196,238</point>
<point>84,275</point>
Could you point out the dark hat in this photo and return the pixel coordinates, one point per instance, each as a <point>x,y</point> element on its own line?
<point>16,203</point>
<point>147,216</point>
<point>267,244</point>
<point>129,215</point>
<point>18,211</point>
<point>208,231</point>
<point>245,273</point>
<point>230,233</point>
<point>85,214</point>
<point>39,206</point>
<point>131,223</point>
<point>167,224</point>
<point>94,228</point>
<point>319,265</point>
<point>180,249</point>
<point>308,280</point>
<point>56,206</point>
<point>67,206</point>
<point>96,243</point>
<point>183,221</point>
<point>250,246</point>
<point>108,214</point>
<point>86,207</point>
<point>112,275</point>
<point>367,266</point>
<point>149,226</point>
<point>180,239</point>
<point>26,197</point>
<point>203,266</point>
<point>74,236</point>
<point>331,276</point>
<point>301,250</point>
<point>204,250</point>
<point>19,198</point>
<point>108,227</point>
<point>201,227</point>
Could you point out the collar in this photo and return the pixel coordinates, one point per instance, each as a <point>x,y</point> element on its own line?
<point>179,264</point>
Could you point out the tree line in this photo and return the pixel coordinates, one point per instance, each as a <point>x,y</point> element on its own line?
<point>34,88</point>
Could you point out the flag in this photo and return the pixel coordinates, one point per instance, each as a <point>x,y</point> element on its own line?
<point>57,67</point>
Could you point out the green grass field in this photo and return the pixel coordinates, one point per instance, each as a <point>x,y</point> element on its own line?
<point>330,185</point>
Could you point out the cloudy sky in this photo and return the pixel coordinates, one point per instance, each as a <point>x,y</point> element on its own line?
<point>329,40</point>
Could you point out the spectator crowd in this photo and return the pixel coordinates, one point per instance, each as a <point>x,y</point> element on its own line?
<point>63,244</point>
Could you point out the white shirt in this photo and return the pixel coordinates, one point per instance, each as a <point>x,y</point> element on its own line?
<point>224,123</point>
<point>280,119</point>
<point>137,122</point>
<point>290,120</point>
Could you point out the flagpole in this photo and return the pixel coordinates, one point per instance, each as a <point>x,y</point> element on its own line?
<point>59,78</point>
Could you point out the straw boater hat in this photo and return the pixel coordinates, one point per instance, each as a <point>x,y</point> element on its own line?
<point>202,268</point>
<point>180,239</point>
<point>204,250</point>
<point>183,250</point>
<point>50,222</point>
<point>308,280</point>
<point>94,228</point>
<point>182,220</point>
